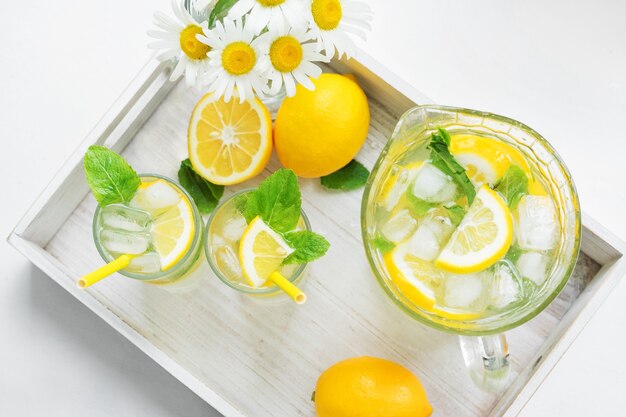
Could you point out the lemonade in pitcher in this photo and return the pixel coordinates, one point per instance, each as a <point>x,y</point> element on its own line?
<point>464,226</point>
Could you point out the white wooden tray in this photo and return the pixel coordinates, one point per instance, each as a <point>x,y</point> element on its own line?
<point>247,359</point>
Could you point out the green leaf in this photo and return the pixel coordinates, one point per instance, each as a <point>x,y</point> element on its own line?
<point>350,177</point>
<point>456,214</point>
<point>441,158</point>
<point>205,194</point>
<point>277,201</point>
<point>109,176</point>
<point>220,10</point>
<point>308,247</point>
<point>418,206</point>
<point>513,185</point>
<point>383,244</point>
<point>514,253</point>
<point>241,201</point>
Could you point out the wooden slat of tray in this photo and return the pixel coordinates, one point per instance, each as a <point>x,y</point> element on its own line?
<point>264,360</point>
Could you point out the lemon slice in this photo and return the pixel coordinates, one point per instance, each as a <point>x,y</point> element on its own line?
<point>479,169</point>
<point>261,252</point>
<point>483,237</point>
<point>415,278</point>
<point>172,233</point>
<point>229,142</point>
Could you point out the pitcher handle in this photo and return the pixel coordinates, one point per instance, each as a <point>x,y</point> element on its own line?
<point>487,360</point>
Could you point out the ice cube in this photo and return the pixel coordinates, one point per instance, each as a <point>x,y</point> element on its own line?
<point>148,263</point>
<point>228,262</point>
<point>118,216</point>
<point>399,227</point>
<point>432,185</point>
<point>233,228</point>
<point>156,197</point>
<point>506,284</point>
<point>536,225</point>
<point>534,266</point>
<point>464,291</point>
<point>430,237</point>
<point>122,242</point>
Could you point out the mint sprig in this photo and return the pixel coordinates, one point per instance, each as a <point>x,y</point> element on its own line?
<point>205,194</point>
<point>350,177</point>
<point>308,247</point>
<point>277,201</point>
<point>441,158</point>
<point>513,185</point>
<point>111,179</point>
<point>419,207</point>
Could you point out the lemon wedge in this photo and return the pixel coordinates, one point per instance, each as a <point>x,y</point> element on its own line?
<point>172,233</point>
<point>261,252</point>
<point>415,278</point>
<point>483,237</point>
<point>229,142</point>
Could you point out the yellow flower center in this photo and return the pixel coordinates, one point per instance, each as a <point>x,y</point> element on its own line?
<point>238,58</point>
<point>326,13</point>
<point>190,45</point>
<point>286,53</point>
<point>270,3</point>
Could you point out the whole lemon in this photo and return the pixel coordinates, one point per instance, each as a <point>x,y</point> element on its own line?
<point>370,387</point>
<point>318,132</point>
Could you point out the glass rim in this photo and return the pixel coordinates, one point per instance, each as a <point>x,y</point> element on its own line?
<point>472,327</point>
<point>298,273</point>
<point>161,274</point>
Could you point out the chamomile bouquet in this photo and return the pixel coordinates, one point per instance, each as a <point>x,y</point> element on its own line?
<point>258,47</point>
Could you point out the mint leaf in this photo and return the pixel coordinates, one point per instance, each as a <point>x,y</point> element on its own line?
<point>205,194</point>
<point>308,247</point>
<point>456,214</point>
<point>514,253</point>
<point>240,202</point>
<point>441,158</point>
<point>109,176</point>
<point>277,201</point>
<point>513,185</point>
<point>350,177</point>
<point>220,10</point>
<point>418,206</point>
<point>383,244</point>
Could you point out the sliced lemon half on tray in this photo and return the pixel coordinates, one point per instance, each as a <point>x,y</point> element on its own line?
<point>483,237</point>
<point>229,142</point>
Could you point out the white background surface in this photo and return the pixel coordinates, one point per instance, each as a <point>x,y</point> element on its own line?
<point>558,66</point>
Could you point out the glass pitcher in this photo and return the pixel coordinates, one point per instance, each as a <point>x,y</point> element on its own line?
<point>482,338</point>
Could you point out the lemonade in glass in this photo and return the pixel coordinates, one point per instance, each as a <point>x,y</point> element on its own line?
<point>160,228</point>
<point>471,224</point>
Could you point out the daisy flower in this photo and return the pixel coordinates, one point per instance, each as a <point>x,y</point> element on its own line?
<point>177,39</point>
<point>277,14</point>
<point>233,61</point>
<point>287,59</point>
<point>333,21</point>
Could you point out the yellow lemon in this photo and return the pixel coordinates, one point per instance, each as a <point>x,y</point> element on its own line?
<point>261,252</point>
<point>318,132</point>
<point>370,387</point>
<point>229,142</point>
<point>483,237</point>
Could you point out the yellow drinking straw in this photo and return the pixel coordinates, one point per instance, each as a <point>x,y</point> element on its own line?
<point>291,290</point>
<point>103,272</point>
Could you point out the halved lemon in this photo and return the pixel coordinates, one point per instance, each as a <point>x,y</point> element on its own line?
<point>414,277</point>
<point>261,252</point>
<point>172,233</point>
<point>483,237</point>
<point>229,142</point>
